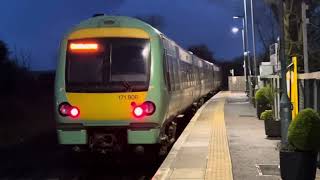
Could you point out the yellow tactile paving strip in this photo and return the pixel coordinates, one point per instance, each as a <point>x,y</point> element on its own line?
<point>219,166</point>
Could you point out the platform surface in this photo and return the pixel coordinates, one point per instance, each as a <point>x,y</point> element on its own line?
<point>202,150</point>
<point>223,141</point>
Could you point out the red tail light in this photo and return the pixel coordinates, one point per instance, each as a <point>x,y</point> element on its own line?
<point>65,109</point>
<point>149,107</point>
<point>145,109</point>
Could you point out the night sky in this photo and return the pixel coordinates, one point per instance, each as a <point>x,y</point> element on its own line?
<point>37,26</point>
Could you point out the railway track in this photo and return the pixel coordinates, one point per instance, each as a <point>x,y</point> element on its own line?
<point>42,158</point>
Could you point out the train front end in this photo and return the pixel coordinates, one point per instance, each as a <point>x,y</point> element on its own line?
<point>104,93</point>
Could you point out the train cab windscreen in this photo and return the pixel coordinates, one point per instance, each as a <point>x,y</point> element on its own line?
<point>108,65</point>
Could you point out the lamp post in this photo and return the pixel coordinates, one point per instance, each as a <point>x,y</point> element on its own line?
<point>285,104</point>
<point>247,42</point>
<point>245,26</point>
<point>245,49</point>
<point>254,46</point>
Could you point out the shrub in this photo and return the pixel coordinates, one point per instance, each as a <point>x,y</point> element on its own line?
<point>264,95</point>
<point>304,131</point>
<point>267,115</point>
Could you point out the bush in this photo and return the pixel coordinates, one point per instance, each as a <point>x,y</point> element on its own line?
<point>304,131</point>
<point>267,115</point>
<point>264,96</point>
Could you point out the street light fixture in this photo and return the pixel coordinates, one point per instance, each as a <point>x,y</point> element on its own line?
<point>237,17</point>
<point>235,30</point>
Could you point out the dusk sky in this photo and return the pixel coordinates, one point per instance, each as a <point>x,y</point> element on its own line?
<point>37,26</point>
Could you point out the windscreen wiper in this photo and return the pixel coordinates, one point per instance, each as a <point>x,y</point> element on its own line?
<point>127,86</point>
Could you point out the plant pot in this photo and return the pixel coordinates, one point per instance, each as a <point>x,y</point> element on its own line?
<point>272,128</point>
<point>298,165</point>
<point>261,108</point>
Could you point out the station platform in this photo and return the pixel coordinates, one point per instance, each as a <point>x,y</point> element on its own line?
<point>223,141</point>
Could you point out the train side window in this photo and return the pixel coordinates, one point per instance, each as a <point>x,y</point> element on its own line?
<point>181,73</point>
<point>171,73</point>
<point>166,70</point>
<point>198,74</point>
<point>192,75</point>
<point>174,73</point>
<point>212,72</point>
<point>184,74</point>
<point>185,71</point>
<point>175,59</point>
<point>188,68</point>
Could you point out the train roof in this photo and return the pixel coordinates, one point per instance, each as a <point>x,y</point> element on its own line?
<point>101,20</point>
<point>116,21</point>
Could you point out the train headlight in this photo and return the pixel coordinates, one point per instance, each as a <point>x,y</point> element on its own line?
<point>74,112</point>
<point>138,111</point>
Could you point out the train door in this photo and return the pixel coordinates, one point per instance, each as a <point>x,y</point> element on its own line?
<point>170,75</point>
<point>194,79</point>
<point>198,80</point>
<point>202,84</point>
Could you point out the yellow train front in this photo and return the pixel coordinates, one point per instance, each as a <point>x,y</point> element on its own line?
<point>121,82</point>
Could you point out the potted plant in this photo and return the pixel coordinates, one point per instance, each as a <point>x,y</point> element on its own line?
<point>272,127</point>
<point>298,160</point>
<point>263,99</point>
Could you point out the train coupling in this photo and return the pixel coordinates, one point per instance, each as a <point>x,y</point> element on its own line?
<point>104,143</point>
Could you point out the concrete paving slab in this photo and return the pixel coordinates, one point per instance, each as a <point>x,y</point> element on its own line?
<point>191,157</point>
<point>188,173</point>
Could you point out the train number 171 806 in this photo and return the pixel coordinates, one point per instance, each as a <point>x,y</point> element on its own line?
<point>128,97</point>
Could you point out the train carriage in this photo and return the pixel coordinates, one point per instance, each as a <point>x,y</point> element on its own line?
<point>121,82</point>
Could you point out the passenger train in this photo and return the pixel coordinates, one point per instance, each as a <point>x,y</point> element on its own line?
<point>120,82</point>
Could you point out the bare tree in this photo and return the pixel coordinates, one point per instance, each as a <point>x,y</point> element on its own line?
<point>292,25</point>
<point>266,24</point>
<point>22,57</point>
<point>4,51</point>
<point>202,51</point>
<point>293,30</point>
